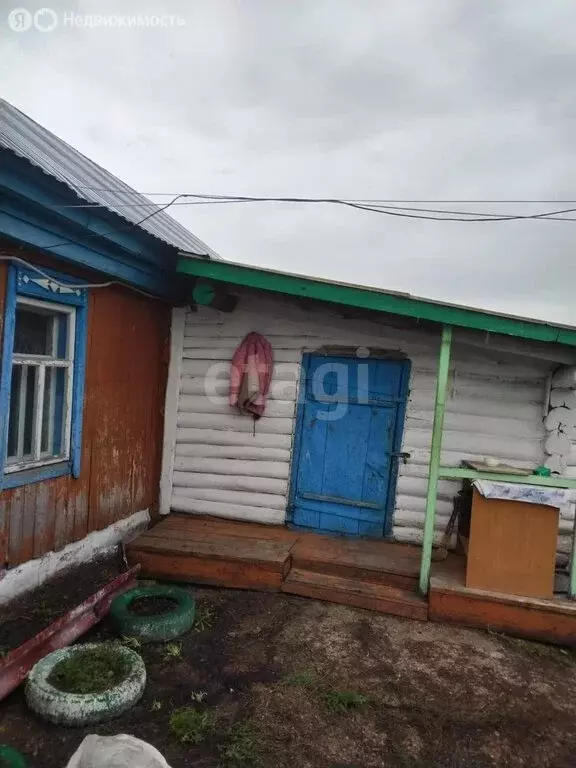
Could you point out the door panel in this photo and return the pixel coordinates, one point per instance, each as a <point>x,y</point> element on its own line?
<point>348,427</point>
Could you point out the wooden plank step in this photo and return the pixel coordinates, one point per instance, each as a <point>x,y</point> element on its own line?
<point>236,574</point>
<point>552,620</point>
<point>274,553</point>
<point>207,526</point>
<point>381,562</point>
<point>225,561</point>
<point>361,594</point>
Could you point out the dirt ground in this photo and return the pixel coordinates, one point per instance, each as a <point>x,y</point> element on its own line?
<point>294,683</point>
<point>34,611</point>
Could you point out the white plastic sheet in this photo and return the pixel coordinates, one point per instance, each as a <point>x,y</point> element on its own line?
<point>533,494</point>
<point>120,751</point>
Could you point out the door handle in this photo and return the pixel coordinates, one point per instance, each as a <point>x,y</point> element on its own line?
<point>401,455</point>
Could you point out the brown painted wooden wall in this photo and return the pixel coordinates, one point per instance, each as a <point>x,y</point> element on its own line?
<point>127,357</point>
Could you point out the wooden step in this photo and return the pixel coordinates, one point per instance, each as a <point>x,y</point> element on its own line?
<point>200,526</point>
<point>362,594</point>
<point>552,620</point>
<point>226,561</point>
<point>380,562</point>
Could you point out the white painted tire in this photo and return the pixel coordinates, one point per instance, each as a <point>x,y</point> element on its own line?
<point>64,708</point>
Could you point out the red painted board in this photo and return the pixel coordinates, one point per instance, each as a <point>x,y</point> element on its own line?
<point>65,630</point>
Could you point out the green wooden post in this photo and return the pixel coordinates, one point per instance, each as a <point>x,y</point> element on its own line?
<point>435,451</point>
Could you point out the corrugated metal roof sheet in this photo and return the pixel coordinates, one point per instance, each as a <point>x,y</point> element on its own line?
<point>91,183</point>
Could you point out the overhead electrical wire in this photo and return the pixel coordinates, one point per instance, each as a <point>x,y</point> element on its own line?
<point>381,208</point>
<point>434,214</point>
<point>359,200</point>
<point>389,210</point>
<point>128,225</point>
<point>355,203</point>
<point>143,204</point>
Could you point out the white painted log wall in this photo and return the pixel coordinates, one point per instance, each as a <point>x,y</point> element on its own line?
<point>494,409</point>
<point>567,512</point>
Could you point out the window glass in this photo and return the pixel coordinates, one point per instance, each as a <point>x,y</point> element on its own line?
<point>34,332</point>
<point>41,331</point>
<point>22,411</point>
<point>14,409</point>
<point>53,415</point>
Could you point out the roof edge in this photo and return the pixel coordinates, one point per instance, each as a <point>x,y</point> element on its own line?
<point>365,297</point>
<point>27,140</point>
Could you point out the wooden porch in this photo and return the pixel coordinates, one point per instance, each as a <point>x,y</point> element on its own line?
<point>376,575</point>
<point>551,620</point>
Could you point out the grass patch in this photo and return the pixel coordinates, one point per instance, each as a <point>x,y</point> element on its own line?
<point>91,671</point>
<point>334,700</point>
<point>243,747</point>
<point>306,679</point>
<point>191,726</point>
<point>204,619</point>
<point>131,642</point>
<point>344,701</point>
<point>172,651</point>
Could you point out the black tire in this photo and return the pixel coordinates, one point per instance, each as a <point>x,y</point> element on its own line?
<point>158,628</point>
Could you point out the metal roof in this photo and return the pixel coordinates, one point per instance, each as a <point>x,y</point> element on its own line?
<point>91,183</point>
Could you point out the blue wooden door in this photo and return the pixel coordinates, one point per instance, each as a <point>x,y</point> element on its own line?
<point>349,427</point>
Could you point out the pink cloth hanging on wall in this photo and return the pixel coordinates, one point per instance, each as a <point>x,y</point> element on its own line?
<point>251,374</point>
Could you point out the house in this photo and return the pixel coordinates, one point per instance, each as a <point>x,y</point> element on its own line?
<point>118,331</point>
<point>378,402</point>
<point>87,282</point>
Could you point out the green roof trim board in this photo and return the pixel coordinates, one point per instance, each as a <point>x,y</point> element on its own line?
<point>375,299</point>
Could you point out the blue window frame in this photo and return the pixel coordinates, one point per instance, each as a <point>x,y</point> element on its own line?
<point>42,376</point>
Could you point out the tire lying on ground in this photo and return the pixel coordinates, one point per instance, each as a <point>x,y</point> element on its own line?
<point>155,627</point>
<point>11,758</point>
<point>64,708</point>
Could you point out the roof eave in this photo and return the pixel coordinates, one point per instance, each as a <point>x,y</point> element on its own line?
<point>401,304</point>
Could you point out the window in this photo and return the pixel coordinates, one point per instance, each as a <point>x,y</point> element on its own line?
<point>42,377</point>
<point>41,387</point>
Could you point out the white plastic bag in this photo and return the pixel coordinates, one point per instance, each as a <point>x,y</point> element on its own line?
<point>120,751</point>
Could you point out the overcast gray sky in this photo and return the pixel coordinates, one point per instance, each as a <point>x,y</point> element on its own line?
<point>459,99</point>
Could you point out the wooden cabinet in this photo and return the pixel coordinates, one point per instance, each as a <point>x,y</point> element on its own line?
<point>512,547</point>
